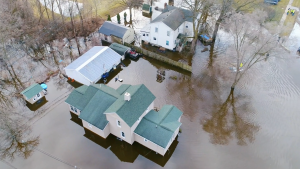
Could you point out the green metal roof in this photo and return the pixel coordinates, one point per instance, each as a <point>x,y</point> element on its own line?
<point>120,49</point>
<point>81,96</point>
<point>123,88</point>
<point>131,110</point>
<point>159,127</point>
<point>32,90</point>
<point>93,111</point>
<point>146,7</point>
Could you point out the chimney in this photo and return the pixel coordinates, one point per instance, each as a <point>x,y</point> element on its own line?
<point>127,96</point>
<point>165,6</point>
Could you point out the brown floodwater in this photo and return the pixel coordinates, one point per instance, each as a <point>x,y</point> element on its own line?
<point>257,126</point>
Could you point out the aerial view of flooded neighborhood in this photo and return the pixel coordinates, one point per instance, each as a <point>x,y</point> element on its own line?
<point>132,84</point>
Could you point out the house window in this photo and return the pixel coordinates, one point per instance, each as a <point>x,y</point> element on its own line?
<point>145,140</point>
<point>118,123</point>
<point>156,29</point>
<point>154,38</point>
<point>38,95</point>
<point>168,33</point>
<point>122,134</point>
<point>143,34</point>
<point>72,108</point>
<point>167,43</point>
<point>147,34</point>
<point>90,125</point>
<point>186,26</point>
<point>75,109</point>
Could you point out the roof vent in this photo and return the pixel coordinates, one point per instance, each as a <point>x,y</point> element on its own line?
<point>127,96</point>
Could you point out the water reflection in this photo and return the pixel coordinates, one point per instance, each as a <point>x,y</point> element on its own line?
<point>37,105</point>
<point>226,122</point>
<point>14,140</point>
<point>128,153</point>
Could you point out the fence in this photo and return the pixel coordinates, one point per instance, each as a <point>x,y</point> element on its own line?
<point>160,58</point>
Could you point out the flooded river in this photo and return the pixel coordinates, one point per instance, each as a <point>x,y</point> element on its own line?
<point>257,126</point>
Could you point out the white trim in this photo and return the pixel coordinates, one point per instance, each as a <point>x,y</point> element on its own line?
<point>124,134</point>
<point>90,125</point>
<point>145,140</point>
<point>150,141</point>
<point>118,121</point>
<point>83,76</point>
<point>90,59</point>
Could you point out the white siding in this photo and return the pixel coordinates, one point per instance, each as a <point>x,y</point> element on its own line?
<point>95,129</point>
<point>160,150</point>
<point>32,101</point>
<point>78,76</point>
<point>102,37</point>
<point>161,36</point>
<point>128,36</point>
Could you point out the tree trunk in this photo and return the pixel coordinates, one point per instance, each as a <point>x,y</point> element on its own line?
<point>130,15</point>
<point>46,10</point>
<point>217,25</point>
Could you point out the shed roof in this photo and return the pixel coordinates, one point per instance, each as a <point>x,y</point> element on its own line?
<point>159,127</point>
<point>32,90</point>
<point>109,28</point>
<point>173,17</point>
<point>95,62</point>
<point>131,110</point>
<point>120,49</point>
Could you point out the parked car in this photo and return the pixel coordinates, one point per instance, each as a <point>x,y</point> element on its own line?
<point>273,2</point>
<point>133,54</point>
<point>204,38</point>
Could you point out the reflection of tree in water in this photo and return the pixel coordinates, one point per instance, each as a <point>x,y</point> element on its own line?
<point>226,122</point>
<point>14,141</point>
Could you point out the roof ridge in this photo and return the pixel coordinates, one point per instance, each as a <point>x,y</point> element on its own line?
<point>166,114</point>
<point>104,91</point>
<point>130,94</point>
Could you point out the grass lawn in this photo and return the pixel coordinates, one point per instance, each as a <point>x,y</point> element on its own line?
<point>104,8</point>
<point>280,9</point>
<point>289,24</point>
<point>296,3</point>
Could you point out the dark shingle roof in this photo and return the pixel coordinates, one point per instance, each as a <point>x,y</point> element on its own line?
<point>173,17</point>
<point>32,90</point>
<point>109,28</point>
<point>131,110</point>
<point>159,127</point>
<point>120,49</point>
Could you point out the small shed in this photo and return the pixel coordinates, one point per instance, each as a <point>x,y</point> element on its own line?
<point>89,68</point>
<point>112,32</point>
<point>120,49</point>
<point>33,93</point>
<point>146,8</point>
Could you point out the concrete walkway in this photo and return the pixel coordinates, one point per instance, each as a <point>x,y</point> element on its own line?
<point>285,15</point>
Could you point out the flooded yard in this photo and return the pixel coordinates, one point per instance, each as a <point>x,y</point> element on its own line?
<point>256,127</point>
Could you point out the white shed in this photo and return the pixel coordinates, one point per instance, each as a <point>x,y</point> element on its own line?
<point>89,68</point>
<point>109,30</point>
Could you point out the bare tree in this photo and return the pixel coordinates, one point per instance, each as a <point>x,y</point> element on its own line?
<point>251,42</point>
<point>200,10</point>
<point>227,7</point>
<point>131,4</point>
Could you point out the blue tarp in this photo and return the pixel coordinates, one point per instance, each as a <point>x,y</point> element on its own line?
<point>205,37</point>
<point>44,86</point>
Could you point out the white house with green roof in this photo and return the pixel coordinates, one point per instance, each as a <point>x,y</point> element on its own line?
<point>33,93</point>
<point>127,113</point>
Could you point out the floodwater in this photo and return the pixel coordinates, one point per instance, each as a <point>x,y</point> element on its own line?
<point>257,126</point>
